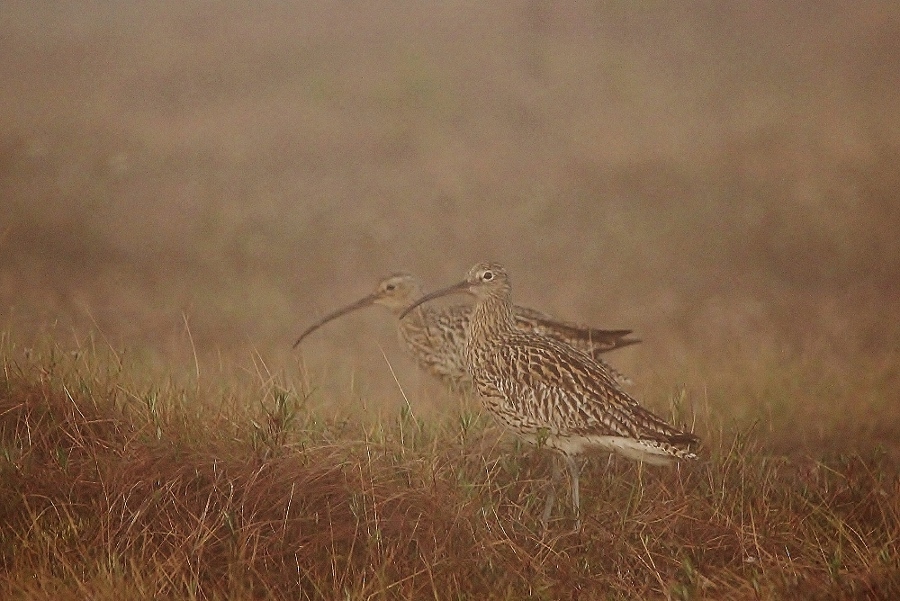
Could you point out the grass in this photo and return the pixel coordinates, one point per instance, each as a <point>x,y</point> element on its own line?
<point>115,486</point>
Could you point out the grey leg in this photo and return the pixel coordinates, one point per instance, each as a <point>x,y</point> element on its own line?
<point>555,475</point>
<point>574,472</point>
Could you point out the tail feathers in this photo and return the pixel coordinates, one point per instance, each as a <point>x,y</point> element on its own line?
<point>608,340</point>
<point>591,340</point>
<point>684,438</point>
<point>654,452</point>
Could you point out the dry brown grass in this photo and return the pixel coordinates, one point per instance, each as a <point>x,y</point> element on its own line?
<point>113,489</point>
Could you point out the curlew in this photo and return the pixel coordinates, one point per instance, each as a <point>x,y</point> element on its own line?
<point>552,394</point>
<point>435,337</point>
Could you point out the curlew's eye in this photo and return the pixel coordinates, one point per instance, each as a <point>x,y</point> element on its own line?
<point>487,276</point>
<point>390,287</point>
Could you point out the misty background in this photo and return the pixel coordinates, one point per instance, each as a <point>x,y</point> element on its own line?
<point>720,177</point>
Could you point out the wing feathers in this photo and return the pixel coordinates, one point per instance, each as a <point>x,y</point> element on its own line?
<point>563,389</point>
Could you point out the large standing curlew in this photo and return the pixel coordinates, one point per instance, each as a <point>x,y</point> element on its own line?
<point>436,337</point>
<point>551,393</point>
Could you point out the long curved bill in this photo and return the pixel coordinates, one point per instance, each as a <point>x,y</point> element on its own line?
<point>363,302</point>
<point>462,286</point>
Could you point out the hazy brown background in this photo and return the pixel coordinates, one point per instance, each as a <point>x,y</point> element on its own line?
<point>722,177</point>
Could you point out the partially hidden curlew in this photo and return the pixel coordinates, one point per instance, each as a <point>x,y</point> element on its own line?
<point>552,394</point>
<point>435,337</point>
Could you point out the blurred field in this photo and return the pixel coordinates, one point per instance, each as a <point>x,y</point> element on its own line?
<point>190,184</point>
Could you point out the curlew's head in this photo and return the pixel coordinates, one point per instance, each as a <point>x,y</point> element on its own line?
<point>482,280</point>
<point>397,291</point>
<point>394,292</point>
<point>487,279</point>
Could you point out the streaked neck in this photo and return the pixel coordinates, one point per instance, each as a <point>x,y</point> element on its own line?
<point>491,316</point>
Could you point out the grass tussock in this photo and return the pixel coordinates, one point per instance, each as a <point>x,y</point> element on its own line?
<point>112,489</point>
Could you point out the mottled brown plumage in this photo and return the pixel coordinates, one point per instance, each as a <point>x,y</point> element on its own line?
<point>435,337</point>
<point>549,392</point>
